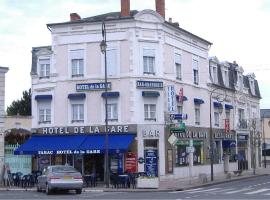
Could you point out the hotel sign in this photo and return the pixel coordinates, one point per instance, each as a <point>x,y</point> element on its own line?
<point>149,84</point>
<point>93,86</point>
<point>86,129</point>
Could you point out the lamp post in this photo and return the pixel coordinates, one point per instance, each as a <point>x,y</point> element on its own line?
<point>211,135</point>
<point>103,47</point>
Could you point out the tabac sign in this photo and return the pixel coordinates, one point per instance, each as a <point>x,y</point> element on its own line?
<point>86,129</point>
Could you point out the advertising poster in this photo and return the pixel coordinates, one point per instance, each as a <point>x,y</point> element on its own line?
<point>131,162</point>
<point>151,162</point>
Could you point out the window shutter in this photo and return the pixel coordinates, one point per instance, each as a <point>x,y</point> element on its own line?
<point>178,58</point>
<point>111,62</point>
<point>149,52</point>
<point>77,54</point>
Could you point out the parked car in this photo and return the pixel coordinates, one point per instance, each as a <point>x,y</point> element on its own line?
<point>60,177</point>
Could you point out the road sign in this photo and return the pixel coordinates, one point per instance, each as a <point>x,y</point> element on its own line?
<point>178,116</point>
<point>172,139</point>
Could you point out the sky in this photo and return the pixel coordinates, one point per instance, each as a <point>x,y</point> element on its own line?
<point>238,29</point>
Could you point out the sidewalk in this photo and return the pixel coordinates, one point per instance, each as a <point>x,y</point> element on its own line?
<point>169,185</point>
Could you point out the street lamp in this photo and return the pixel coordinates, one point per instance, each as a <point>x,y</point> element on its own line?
<point>211,134</point>
<point>103,47</point>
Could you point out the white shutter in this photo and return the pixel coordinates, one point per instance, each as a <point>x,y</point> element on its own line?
<point>77,54</point>
<point>195,64</point>
<point>149,52</point>
<point>111,62</point>
<point>177,58</point>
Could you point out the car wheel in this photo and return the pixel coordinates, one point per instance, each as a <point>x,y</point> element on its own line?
<point>48,190</point>
<point>78,191</point>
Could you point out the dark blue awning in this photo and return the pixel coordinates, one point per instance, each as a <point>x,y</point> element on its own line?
<point>184,98</point>
<point>110,94</point>
<point>117,142</point>
<point>74,144</point>
<point>43,97</point>
<point>198,101</point>
<point>150,94</point>
<point>48,144</point>
<point>75,96</point>
<point>217,105</point>
<point>227,106</point>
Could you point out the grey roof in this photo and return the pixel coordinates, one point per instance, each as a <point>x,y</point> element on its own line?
<point>265,113</point>
<point>233,80</point>
<point>98,18</point>
<point>34,57</point>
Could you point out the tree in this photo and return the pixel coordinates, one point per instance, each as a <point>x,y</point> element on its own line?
<point>22,106</point>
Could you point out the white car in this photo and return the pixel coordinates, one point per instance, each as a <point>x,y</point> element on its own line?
<point>60,177</point>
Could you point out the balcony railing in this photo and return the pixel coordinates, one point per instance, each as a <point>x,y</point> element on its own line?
<point>242,124</point>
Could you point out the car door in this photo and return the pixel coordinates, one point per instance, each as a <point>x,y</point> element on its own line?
<point>43,178</point>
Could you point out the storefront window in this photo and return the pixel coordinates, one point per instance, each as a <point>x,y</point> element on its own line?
<point>182,156</point>
<point>217,153</point>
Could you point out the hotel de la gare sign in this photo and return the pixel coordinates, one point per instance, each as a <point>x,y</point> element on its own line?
<point>132,128</point>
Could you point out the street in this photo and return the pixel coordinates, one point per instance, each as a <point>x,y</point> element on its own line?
<point>252,188</point>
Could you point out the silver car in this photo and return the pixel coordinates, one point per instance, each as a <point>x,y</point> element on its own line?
<point>60,177</point>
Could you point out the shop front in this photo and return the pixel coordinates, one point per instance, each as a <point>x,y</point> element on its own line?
<point>191,151</point>
<point>82,147</point>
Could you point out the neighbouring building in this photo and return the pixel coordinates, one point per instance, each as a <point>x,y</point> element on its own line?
<point>3,71</point>
<point>158,98</point>
<point>238,112</point>
<point>265,122</point>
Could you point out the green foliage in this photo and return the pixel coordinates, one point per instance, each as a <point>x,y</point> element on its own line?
<point>22,106</point>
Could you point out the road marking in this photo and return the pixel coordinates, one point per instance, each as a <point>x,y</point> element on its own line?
<point>185,190</point>
<point>213,189</point>
<point>236,191</point>
<point>258,191</point>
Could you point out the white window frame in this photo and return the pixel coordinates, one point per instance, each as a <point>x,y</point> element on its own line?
<point>78,107</point>
<point>252,86</point>
<point>80,56</point>
<point>148,54</point>
<point>148,112</point>
<point>112,102</point>
<point>109,65</point>
<point>227,114</point>
<point>240,82</point>
<point>45,107</point>
<point>178,64</point>
<point>44,67</point>
<point>225,75</point>
<point>214,74</point>
<point>197,114</point>
<point>77,101</point>
<point>216,117</point>
<point>195,70</point>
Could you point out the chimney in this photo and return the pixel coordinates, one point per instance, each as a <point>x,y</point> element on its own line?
<point>160,7</point>
<point>74,17</point>
<point>125,8</point>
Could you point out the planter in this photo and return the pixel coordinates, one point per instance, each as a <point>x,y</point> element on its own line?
<point>147,183</point>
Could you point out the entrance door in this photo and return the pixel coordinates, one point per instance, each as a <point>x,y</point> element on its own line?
<point>94,164</point>
<point>151,157</point>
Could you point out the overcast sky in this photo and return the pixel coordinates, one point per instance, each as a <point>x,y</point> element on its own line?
<point>238,29</point>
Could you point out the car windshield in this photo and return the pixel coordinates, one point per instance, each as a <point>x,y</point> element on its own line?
<point>63,169</point>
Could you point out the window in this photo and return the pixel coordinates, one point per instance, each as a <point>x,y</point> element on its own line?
<point>44,67</point>
<point>228,114</point>
<point>44,112</point>
<point>148,61</point>
<point>111,62</point>
<point>216,117</point>
<point>195,66</point>
<point>77,62</point>
<point>226,78</point>
<point>214,76</point>
<point>252,87</point>
<point>150,112</point>
<point>197,115</point>
<point>240,82</point>
<point>77,112</point>
<point>112,112</point>
<point>178,66</point>
<point>241,114</point>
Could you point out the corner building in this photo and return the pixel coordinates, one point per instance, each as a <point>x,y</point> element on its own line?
<point>157,71</point>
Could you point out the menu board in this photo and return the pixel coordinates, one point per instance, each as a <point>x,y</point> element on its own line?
<point>131,162</point>
<point>151,162</point>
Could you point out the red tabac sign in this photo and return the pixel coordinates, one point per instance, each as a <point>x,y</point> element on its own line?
<point>131,162</point>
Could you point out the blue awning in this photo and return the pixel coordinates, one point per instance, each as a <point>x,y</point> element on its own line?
<point>184,98</point>
<point>217,105</point>
<point>43,97</point>
<point>51,144</point>
<point>75,96</point>
<point>110,94</point>
<point>227,106</point>
<point>74,144</point>
<point>150,94</point>
<point>198,101</point>
<point>117,142</point>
